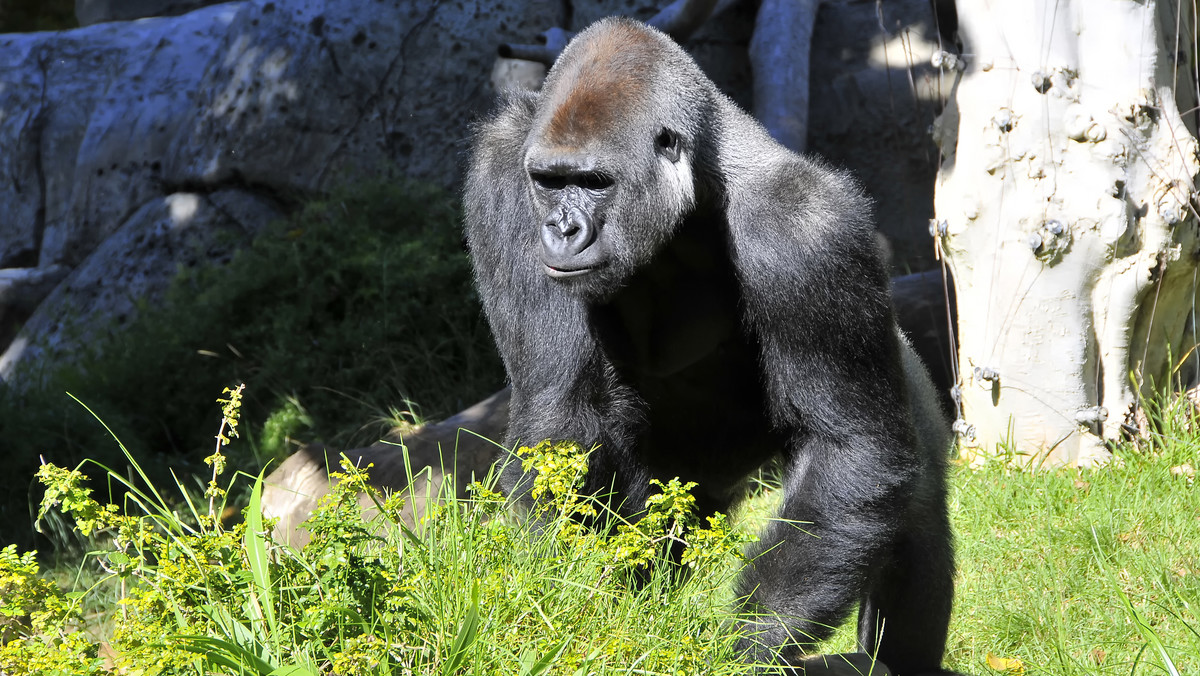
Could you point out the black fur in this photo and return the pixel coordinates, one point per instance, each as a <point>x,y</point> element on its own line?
<point>667,283</point>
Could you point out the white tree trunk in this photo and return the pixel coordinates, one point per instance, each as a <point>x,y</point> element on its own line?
<point>1065,209</point>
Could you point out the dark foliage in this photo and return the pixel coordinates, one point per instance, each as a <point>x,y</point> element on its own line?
<point>354,305</point>
<point>23,16</point>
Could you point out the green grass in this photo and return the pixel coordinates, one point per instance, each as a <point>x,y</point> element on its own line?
<point>1060,572</point>
<point>469,589</point>
<point>1059,568</point>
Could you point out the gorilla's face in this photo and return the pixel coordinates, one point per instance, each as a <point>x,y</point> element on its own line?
<point>609,157</point>
<point>608,207</point>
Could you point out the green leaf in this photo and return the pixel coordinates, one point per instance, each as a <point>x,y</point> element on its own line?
<point>260,562</point>
<point>292,671</point>
<point>467,634</point>
<point>237,632</point>
<point>544,664</point>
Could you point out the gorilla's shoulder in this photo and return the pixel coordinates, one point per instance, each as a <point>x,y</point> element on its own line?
<point>802,196</point>
<point>499,136</point>
<point>512,113</point>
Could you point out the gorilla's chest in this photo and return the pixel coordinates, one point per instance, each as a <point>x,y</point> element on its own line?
<point>675,334</point>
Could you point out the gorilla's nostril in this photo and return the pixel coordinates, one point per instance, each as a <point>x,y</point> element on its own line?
<point>577,220</point>
<point>558,228</point>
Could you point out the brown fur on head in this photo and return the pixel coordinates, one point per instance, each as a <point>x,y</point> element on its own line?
<point>609,73</point>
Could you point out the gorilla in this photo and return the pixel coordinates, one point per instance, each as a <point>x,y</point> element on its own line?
<point>667,284</point>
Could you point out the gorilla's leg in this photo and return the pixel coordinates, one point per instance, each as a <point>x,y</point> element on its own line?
<point>904,616</point>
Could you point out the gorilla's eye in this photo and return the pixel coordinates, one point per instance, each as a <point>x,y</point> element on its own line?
<point>667,143</point>
<point>595,181</point>
<point>553,181</point>
<point>549,181</point>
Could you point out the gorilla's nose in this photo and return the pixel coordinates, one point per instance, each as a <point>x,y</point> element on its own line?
<point>568,232</point>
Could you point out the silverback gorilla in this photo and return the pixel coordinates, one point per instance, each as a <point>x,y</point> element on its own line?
<point>669,285</point>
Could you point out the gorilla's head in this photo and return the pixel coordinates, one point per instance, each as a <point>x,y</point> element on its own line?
<point>611,154</point>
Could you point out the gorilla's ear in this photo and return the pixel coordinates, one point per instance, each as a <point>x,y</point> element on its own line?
<point>667,144</point>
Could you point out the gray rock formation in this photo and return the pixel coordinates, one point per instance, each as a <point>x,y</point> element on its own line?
<point>132,264</point>
<point>106,131</point>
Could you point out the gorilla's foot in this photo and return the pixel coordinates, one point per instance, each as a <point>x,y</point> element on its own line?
<point>842,664</point>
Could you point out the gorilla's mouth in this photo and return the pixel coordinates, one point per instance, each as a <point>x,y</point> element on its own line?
<point>564,265</point>
<point>563,273</point>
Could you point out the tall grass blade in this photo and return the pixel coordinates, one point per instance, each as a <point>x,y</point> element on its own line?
<point>467,634</point>
<point>225,653</point>
<point>585,667</point>
<point>260,562</point>
<point>162,506</point>
<point>1143,627</point>
<point>544,664</point>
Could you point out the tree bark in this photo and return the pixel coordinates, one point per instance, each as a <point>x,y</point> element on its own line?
<point>779,55</point>
<point>1065,209</point>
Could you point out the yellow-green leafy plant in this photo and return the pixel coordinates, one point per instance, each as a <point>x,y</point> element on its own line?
<point>467,589</point>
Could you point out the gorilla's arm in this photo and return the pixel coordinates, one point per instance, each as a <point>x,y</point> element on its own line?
<point>541,331</point>
<point>816,296</point>
<point>497,206</point>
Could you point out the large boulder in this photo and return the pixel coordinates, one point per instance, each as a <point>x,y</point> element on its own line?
<point>170,134</point>
<point>422,463</point>
<point>132,264</point>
